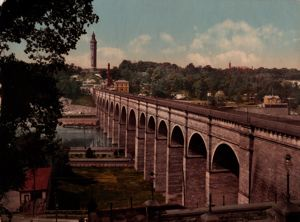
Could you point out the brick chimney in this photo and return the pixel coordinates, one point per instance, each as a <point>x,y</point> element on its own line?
<point>109,80</point>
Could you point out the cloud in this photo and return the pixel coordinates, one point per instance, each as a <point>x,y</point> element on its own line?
<point>105,55</point>
<point>174,50</point>
<point>235,41</point>
<point>198,59</point>
<point>228,35</point>
<point>85,38</point>
<point>296,39</point>
<point>111,55</point>
<point>167,37</point>
<point>82,59</point>
<point>137,44</point>
<point>269,31</point>
<point>237,57</point>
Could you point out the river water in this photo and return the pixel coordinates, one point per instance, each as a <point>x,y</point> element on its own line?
<point>82,137</point>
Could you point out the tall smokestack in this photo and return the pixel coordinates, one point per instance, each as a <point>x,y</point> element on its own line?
<point>109,80</point>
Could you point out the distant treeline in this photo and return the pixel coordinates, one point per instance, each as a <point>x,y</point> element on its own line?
<point>165,80</point>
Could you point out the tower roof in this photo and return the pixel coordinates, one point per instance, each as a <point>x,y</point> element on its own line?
<point>93,37</point>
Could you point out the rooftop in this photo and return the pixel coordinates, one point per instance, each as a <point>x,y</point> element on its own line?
<point>42,177</point>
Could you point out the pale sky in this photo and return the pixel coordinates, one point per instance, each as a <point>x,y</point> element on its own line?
<point>204,32</point>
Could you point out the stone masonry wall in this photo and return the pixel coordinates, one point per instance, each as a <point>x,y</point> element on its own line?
<point>161,165</point>
<point>122,135</point>
<point>149,155</point>
<point>130,143</point>
<point>110,127</point>
<point>195,195</point>
<point>115,130</point>
<point>223,183</point>
<point>175,175</point>
<point>269,173</point>
<point>139,154</point>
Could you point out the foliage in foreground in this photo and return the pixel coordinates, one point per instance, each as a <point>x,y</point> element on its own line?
<point>28,119</point>
<point>30,108</point>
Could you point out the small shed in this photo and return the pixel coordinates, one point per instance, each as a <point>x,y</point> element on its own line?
<point>36,185</point>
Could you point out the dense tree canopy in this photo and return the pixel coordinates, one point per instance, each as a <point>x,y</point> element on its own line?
<point>49,28</point>
<point>29,113</point>
<point>67,85</point>
<point>165,80</point>
<point>30,107</point>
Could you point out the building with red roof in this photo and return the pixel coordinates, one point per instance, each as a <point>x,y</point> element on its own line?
<point>36,187</point>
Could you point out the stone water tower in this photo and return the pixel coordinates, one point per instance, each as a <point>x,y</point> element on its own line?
<point>93,47</point>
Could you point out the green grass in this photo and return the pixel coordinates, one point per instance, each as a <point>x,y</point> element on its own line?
<point>105,186</point>
<point>84,100</point>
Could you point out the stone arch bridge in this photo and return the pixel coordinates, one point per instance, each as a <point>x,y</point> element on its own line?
<point>196,151</point>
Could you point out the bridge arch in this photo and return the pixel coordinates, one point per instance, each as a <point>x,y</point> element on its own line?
<point>101,113</point>
<point>142,121</point>
<point>115,127</point>
<point>151,124</point>
<point>100,102</point>
<point>132,120</point>
<point>107,106</point>
<point>106,117</point>
<point>110,120</point>
<point>131,134</point>
<point>117,112</point>
<point>103,104</point>
<point>111,109</point>
<point>196,162</point>
<point>227,149</point>
<point>161,157</point>
<point>122,127</point>
<point>123,115</point>
<point>98,106</point>
<point>175,167</point>
<point>177,138</point>
<point>197,145</point>
<point>149,148</point>
<point>140,143</point>
<point>224,175</point>
<point>162,129</point>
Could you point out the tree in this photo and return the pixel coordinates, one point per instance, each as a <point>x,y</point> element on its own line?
<point>159,90</point>
<point>28,119</point>
<point>49,29</point>
<point>68,86</point>
<point>200,89</point>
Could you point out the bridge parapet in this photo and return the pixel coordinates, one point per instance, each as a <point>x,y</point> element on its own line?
<point>271,123</point>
